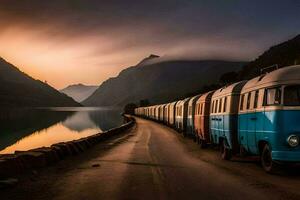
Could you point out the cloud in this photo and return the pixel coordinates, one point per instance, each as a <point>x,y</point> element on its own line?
<point>71,41</point>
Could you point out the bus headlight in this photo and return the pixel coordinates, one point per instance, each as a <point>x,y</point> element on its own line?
<point>293,140</point>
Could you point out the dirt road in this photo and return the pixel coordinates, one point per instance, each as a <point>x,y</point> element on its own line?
<point>152,161</point>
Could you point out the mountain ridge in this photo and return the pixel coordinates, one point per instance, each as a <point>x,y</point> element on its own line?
<point>79,92</point>
<point>159,81</point>
<point>18,89</point>
<point>283,54</point>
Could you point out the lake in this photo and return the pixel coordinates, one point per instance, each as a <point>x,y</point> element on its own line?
<point>25,129</point>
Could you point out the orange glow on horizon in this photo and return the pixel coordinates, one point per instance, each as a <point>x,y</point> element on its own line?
<point>61,61</point>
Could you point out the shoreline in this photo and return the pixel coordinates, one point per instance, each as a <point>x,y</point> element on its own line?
<point>22,161</point>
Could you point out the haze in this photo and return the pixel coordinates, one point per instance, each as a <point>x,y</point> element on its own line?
<point>76,41</point>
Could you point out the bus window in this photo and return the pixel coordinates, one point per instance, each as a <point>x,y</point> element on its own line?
<point>200,108</point>
<point>242,102</point>
<point>255,99</point>
<point>292,95</point>
<point>179,110</point>
<point>220,105</point>
<point>272,96</point>
<point>248,100</point>
<point>215,104</point>
<point>225,104</point>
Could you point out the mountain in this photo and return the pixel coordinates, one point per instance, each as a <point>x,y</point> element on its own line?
<point>161,81</point>
<point>79,92</point>
<point>17,89</point>
<point>148,60</point>
<point>284,54</point>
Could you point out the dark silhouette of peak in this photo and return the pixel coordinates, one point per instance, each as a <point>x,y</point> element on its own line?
<point>148,60</point>
<point>283,54</point>
<point>153,56</point>
<point>18,89</point>
<point>159,81</point>
<point>79,92</point>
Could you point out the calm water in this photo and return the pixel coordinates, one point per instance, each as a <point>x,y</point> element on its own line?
<point>28,129</point>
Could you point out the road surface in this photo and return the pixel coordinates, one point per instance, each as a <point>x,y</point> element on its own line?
<point>152,161</point>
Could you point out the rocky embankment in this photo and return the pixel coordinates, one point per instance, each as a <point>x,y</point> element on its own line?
<point>20,162</point>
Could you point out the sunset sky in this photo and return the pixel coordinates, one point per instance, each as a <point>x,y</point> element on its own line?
<point>87,41</point>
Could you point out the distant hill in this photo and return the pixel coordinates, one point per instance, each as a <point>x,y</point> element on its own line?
<point>284,54</point>
<point>159,82</point>
<point>79,92</point>
<point>17,89</point>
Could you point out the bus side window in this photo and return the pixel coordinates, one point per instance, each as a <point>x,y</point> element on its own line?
<point>256,98</point>
<point>272,96</point>
<point>201,108</point>
<point>225,104</point>
<point>180,111</point>
<point>248,100</point>
<point>242,102</point>
<point>220,105</point>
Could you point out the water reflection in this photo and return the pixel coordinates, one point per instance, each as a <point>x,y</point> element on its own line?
<point>79,122</point>
<point>27,129</point>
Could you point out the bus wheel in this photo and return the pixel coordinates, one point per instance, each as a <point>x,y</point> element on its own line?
<point>226,153</point>
<point>203,144</point>
<point>267,162</point>
<point>243,151</point>
<point>195,138</point>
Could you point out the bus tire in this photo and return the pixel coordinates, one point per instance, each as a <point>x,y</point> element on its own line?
<point>195,139</point>
<point>267,162</point>
<point>203,144</point>
<point>226,153</point>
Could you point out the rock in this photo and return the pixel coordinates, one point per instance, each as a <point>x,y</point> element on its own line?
<point>59,151</point>
<point>88,144</point>
<point>80,147</point>
<point>66,151</point>
<point>51,155</point>
<point>85,143</point>
<point>10,165</point>
<point>91,140</point>
<point>33,159</point>
<point>73,148</point>
<point>8,182</point>
<point>34,172</point>
<point>82,144</point>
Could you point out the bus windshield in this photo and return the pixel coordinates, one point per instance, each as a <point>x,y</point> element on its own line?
<point>292,95</point>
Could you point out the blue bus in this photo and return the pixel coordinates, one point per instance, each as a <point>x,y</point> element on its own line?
<point>181,115</point>
<point>223,118</point>
<point>269,116</point>
<point>190,125</point>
